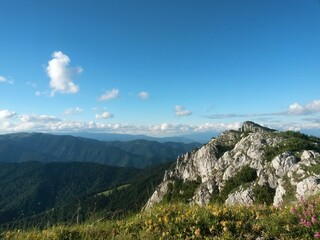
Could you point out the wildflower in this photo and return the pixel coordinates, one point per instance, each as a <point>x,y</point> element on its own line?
<point>317,235</point>
<point>313,219</point>
<point>197,232</point>
<point>293,210</point>
<point>223,223</point>
<point>305,223</point>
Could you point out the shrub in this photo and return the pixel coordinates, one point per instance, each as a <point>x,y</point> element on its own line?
<point>263,194</point>
<point>180,191</point>
<point>245,175</point>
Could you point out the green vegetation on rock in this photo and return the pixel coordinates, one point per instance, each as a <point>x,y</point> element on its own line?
<point>243,176</point>
<point>293,142</point>
<point>180,191</point>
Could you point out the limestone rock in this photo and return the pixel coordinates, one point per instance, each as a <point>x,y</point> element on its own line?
<point>278,198</point>
<point>283,163</point>
<point>253,127</point>
<point>204,193</point>
<point>308,187</point>
<point>241,196</point>
<point>158,194</point>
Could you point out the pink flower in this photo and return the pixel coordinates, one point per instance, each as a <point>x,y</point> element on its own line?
<point>293,210</point>
<point>317,235</point>
<point>313,219</point>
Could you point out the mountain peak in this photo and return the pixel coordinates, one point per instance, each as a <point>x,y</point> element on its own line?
<point>249,126</point>
<point>237,168</point>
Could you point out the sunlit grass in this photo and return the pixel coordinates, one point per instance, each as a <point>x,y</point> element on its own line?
<point>181,221</point>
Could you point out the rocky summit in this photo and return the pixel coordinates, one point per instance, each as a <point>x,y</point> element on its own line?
<point>254,164</point>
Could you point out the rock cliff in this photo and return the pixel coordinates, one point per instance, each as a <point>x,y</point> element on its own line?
<point>252,165</point>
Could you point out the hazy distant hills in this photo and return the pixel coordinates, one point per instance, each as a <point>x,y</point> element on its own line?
<point>130,137</point>
<point>21,147</point>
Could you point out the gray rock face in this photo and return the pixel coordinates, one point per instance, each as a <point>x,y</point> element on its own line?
<point>253,127</point>
<point>204,193</point>
<point>158,194</point>
<point>308,187</point>
<point>223,157</point>
<point>241,196</point>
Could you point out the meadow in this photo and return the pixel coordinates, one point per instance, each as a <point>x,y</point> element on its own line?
<point>299,220</point>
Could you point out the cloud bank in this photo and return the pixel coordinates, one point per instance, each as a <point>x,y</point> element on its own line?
<point>6,114</point>
<point>307,109</point>
<point>61,75</point>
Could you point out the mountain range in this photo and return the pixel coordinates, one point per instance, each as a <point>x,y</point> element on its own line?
<point>21,147</point>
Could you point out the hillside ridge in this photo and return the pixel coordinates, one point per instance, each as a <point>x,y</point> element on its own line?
<point>43,147</point>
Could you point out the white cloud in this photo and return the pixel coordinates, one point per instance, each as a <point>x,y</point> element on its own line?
<point>5,80</point>
<point>2,79</point>
<point>72,111</point>
<point>295,109</point>
<point>104,115</point>
<point>143,95</point>
<point>114,93</point>
<point>61,75</point>
<point>47,123</point>
<point>310,108</point>
<point>38,118</point>
<point>181,111</point>
<point>5,114</point>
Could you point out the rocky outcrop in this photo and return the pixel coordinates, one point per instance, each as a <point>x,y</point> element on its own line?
<point>253,127</point>
<point>241,196</point>
<point>308,187</point>
<point>291,171</point>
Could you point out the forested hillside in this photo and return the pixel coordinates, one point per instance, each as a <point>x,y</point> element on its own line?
<point>38,194</point>
<point>21,147</point>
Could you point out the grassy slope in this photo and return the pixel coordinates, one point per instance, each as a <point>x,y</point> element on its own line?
<point>181,221</point>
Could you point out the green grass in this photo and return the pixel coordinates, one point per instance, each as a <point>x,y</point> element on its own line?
<point>182,221</point>
<point>109,192</point>
<point>293,142</point>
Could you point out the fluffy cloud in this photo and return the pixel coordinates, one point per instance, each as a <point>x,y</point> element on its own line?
<point>5,114</point>
<point>73,111</point>
<point>38,118</point>
<point>143,95</point>
<point>61,75</point>
<point>181,111</point>
<point>114,93</point>
<point>309,108</point>
<point>104,115</point>
<point>3,80</point>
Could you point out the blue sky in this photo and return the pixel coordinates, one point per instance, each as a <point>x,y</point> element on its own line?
<point>159,67</point>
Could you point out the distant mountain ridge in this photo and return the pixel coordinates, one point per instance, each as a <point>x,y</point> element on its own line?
<point>129,137</point>
<point>21,147</point>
